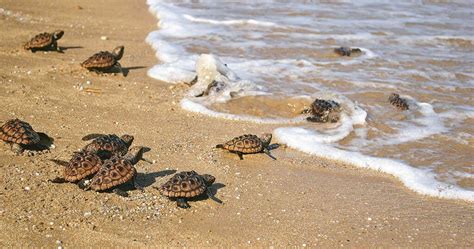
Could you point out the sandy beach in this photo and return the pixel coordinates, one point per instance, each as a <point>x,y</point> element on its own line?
<point>297,200</point>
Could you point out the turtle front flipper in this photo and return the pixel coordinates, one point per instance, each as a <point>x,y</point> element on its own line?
<point>58,180</point>
<point>91,136</point>
<point>120,192</point>
<point>60,162</point>
<point>212,196</point>
<point>266,151</point>
<point>17,149</point>
<point>117,65</point>
<point>182,203</point>
<point>240,154</point>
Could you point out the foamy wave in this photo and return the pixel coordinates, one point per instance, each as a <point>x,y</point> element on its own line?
<point>422,181</point>
<point>230,22</point>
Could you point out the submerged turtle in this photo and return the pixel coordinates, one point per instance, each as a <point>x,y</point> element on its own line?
<point>45,41</point>
<point>21,136</point>
<point>82,165</point>
<point>215,86</point>
<point>108,145</point>
<point>346,51</point>
<point>248,144</point>
<point>104,60</point>
<point>324,111</point>
<point>117,171</point>
<point>187,184</point>
<point>400,103</point>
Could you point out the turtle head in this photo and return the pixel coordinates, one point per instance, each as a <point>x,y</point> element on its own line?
<point>118,52</point>
<point>128,139</point>
<point>266,139</point>
<point>393,96</point>
<point>58,34</point>
<point>135,154</point>
<point>208,179</point>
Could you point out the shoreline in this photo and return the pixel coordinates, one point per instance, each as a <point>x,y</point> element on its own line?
<point>333,203</point>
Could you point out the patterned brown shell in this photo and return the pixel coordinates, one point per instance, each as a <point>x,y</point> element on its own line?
<point>325,111</point>
<point>113,172</point>
<point>400,103</point>
<point>40,41</point>
<point>101,60</point>
<point>18,132</point>
<point>246,144</point>
<point>111,143</point>
<point>82,165</point>
<point>184,184</point>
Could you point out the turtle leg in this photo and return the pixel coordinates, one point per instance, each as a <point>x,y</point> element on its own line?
<point>182,203</point>
<point>240,155</point>
<point>56,47</point>
<point>136,185</point>
<point>57,180</point>
<point>120,192</point>
<point>17,149</point>
<point>212,197</point>
<point>83,184</point>
<point>266,151</point>
<point>117,64</point>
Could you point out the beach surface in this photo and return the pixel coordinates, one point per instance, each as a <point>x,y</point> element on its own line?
<point>297,200</point>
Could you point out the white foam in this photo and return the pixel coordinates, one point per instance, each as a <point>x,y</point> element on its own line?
<point>422,181</point>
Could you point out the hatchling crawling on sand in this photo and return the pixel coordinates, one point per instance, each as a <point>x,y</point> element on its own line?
<point>346,51</point>
<point>117,171</point>
<point>104,60</point>
<point>248,144</point>
<point>108,145</point>
<point>45,41</point>
<point>187,184</point>
<point>400,103</point>
<point>82,165</point>
<point>21,136</point>
<point>323,111</point>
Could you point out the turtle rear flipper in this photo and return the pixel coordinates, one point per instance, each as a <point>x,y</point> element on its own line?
<point>182,203</point>
<point>266,151</point>
<point>59,162</point>
<point>120,192</point>
<point>91,136</point>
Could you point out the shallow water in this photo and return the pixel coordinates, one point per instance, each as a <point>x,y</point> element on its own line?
<point>423,51</point>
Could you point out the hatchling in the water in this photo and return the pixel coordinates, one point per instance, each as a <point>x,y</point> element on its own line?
<point>82,165</point>
<point>324,111</point>
<point>104,60</point>
<point>346,51</point>
<point>117,171</point>
<point>21,136</point>
<point>187,184</point>
<point>45,41</point>
<point>400,103</point>
<point>108,145</point>
<point>248,144</point>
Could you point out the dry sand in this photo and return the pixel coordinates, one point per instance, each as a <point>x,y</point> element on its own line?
<point>298,200</point>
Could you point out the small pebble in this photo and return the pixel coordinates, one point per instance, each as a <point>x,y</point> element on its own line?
<point>27,188</point>
<point>104,38</point>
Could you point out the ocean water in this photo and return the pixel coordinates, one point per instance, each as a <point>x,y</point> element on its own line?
<point>280,57</point>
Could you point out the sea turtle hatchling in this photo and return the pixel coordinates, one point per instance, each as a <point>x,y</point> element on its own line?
<point>45,41</point>
<point>21,136</point>
<point>82,165</point>
<point>187,184</point>
<point>400,103</point>
<point>117,171</point>
<point>346,51</point>
<point>323,111</point>
<point>104,60</point>
<point>108,145</point>
<point>248,144</point>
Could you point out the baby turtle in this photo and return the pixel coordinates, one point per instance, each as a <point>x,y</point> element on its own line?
<point>187,184</point>
<point>400,103</point>
<point>21,136</point>
<point>215,86</point>
<point>82,165</point>
<point>248,144</point>
<point>108,145</point>
<point>346,51</point>
<point>45,41</point>
<point>104,60</point>
<point>324,111</point>
<point>118,170</point>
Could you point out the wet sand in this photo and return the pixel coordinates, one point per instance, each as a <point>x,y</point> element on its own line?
<point>298,200</point>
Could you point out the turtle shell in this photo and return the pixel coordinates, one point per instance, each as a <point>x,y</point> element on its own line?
<point>400,103</point>
<point>186,184</point>
<point>18,132</point>
<point>101,60</point>
<point>113,172</point>
<point>246,144</point>
<point>82,165</point>
<point>108,143</point>
<point>40,41</point>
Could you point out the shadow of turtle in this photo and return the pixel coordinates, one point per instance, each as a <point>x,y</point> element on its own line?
<point>44,144</point>
<point>65,48</point>
<point>148,179</point>
<point>213,191</point>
